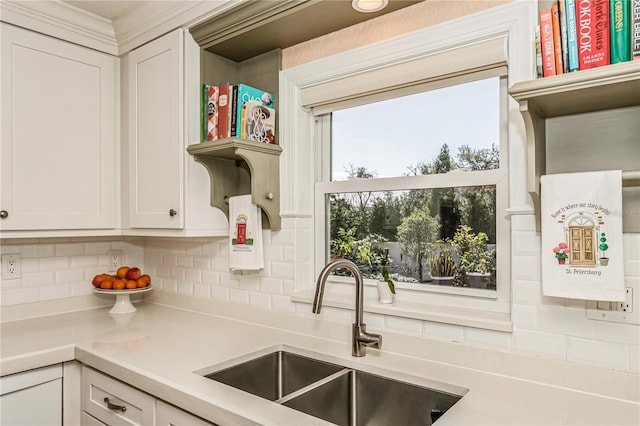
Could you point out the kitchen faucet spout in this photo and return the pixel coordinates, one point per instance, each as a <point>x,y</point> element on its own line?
<point>360,338</point>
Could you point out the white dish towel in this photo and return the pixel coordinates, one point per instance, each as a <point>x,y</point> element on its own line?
<point>245,234</point>
<point>582,236</point>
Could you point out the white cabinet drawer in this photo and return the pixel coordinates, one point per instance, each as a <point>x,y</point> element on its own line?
<point>87,420</point>
<point>114,402</point>
<point>168,415</point>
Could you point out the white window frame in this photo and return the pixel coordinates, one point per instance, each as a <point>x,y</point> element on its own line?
<point>304,154</point>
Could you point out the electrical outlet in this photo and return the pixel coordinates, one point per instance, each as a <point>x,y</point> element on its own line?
<point>11,266</point>
<point>627,312</point>
<point>115,259</point>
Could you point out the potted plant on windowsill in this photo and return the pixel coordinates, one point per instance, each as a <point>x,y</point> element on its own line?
<point>442,266</point>
<point>386,288</point>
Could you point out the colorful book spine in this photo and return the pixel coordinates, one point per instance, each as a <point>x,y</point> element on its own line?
<point>224,111</point>
<point>546,44</point>
<point>538,53</point>
<point>211,130</point>
<point>593,33</point>
<point>620,23</point>
<point>635,30</point>
<point>563,35</point>
<point>245,94</point>
<point>557,38</point>
<point>572,35</point>
<point>234,108</point>
<point>203,113</point>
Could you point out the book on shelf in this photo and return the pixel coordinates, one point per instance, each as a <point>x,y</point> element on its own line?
<point>244,94</point>
<point>593,33</point>
<point>224,110</point>
<point>258,122</point>
<point>233,107</point>
<point>635,30</point>
<point>546,44</point>
<point>538,53</point>
<point>572,35</point>
<point>562,9</point>
<point>210,116</point>
<point>557,38</point>
<point>620,25</point>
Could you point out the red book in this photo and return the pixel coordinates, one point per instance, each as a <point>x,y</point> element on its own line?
<point>546,44</point>
<point>224,111</point>
<point>557,39</point>
<point>593,33</point>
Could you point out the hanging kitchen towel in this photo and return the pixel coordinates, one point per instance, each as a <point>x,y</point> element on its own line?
<point>582,235</point>
<point>245,233</point>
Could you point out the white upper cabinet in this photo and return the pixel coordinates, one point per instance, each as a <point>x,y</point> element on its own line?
<point>168,194</point>
<point>59,137</point>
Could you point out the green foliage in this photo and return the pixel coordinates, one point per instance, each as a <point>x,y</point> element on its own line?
<point>441,262</point>
<point>388,280</point>
<point>473,252</point>
<point>417,233</point>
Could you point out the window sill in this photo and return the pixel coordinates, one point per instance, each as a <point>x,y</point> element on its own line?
<point>465,317</point>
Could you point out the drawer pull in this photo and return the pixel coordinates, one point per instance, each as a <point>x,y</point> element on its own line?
<point>111,406</point>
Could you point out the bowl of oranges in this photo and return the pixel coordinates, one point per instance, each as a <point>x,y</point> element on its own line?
<point>123,283</point>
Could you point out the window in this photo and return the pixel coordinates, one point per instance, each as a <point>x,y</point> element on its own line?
<point>473,49</point>
<point>413,181</point>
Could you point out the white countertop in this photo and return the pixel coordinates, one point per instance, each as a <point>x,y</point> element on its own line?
<point>161,347</point>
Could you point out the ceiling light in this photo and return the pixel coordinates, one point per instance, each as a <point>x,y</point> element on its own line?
<point>369,6</point>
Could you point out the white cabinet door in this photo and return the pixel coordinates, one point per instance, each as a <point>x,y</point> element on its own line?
<point>58,148</point>
<point>156,123</point>
<point>168,415</point>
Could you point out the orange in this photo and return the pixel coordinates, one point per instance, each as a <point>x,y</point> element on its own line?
<point>141,282</point>
<point>118,284</point>
<point>106,285</point>
<point>146,278</point>
<point>131,284</point>
<point>122,271</point>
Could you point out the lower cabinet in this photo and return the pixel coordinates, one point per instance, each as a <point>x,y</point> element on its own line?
<point>20,393</point>
<point>107,401</point>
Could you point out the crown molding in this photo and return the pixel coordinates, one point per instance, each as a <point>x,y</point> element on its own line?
<point>115,37</point>
<point>149,22</point>
<point>62,20</point>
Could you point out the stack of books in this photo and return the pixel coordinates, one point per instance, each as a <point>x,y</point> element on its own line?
<point>237,110</point>
<point>575,35</point>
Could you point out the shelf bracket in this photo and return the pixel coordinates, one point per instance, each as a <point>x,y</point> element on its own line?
<point>240,167</point>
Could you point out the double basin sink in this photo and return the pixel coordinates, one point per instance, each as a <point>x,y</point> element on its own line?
<point>335,393</point>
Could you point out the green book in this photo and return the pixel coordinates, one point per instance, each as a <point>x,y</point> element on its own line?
<point>620,16</point>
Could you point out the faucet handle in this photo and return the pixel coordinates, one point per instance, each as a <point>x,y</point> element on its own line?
<point>361,339</point>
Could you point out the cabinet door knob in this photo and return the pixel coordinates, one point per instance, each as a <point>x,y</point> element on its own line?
<point>173,212</point>
<point>116,407</point>
<point>4,214</point>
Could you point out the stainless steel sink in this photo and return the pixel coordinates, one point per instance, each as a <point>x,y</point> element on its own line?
<point>336,393</point>
<point>358,398</point>
<point>274,375</point>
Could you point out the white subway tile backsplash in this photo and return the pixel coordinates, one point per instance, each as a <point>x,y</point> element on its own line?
<point>260,299</point>
<point>201,263</point>
<point>447,332</point>
<point>618,333</point>
<point>524,316</point>
<point>185,288</point>
<point>403,325</point>
<point>193,275</point>
<point>634,358</point>
<point>525,243</point>
<point>70,249</point>
<point>240,296</point>
<point>487,338</point>
<point>87,261</point>
<point>539,343</point>
<point>210,278</point>
<point>220,293</point>
<point>38,250</point>
<point>571,322</point>
<point>202,291</point>
<point>38,279</point>
<point>282,270</point>
<point>271,285</point>
<point>71,276</point>
<point>51,292</point>
<point>21,295</point>
<point>598,353</point>
<point>54,263</point>
<point>184,261</point>
<point>526,268</point>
